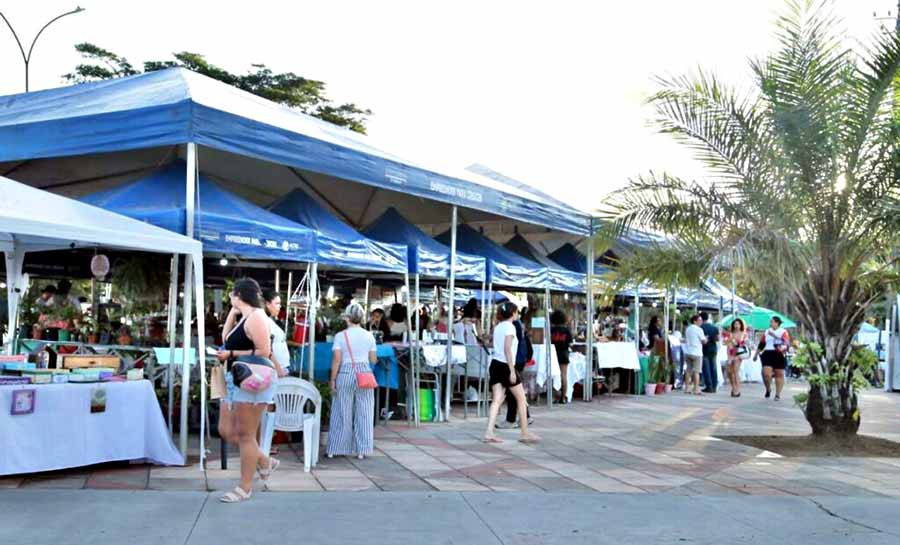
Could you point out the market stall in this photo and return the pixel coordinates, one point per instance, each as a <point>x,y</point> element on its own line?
<point>58,223</point>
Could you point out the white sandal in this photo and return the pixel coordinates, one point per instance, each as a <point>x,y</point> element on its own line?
<point>236,496</point>
<point>265,474</point>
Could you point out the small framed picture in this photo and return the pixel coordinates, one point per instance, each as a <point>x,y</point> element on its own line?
<point>23,402</point>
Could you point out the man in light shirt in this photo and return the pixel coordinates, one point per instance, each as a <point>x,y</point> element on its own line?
<point>693,351</point>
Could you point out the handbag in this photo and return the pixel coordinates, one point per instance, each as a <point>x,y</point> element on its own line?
<point>742,352</point>
<point>365,380</point>
<point>217,386</point>
<point>253,374</point>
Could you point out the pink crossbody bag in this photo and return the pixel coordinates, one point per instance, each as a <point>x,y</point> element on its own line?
<point>365,380</point>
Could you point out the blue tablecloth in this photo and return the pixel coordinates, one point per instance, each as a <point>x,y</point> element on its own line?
<point>387,364</point>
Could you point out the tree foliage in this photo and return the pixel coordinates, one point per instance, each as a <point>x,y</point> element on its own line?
<point>802,191</point>
<point>304,94</point>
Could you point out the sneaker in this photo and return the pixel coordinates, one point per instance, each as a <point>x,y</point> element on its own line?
<point>768,394</point>
<point>777,397</point>
<point>530,420</point>
<point>504,425</point>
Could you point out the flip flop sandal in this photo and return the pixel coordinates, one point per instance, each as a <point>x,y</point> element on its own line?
<point>235,496</point>
<point>265,474</point>
<point>492,440</point>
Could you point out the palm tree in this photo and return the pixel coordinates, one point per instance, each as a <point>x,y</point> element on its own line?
<point>802,191</point>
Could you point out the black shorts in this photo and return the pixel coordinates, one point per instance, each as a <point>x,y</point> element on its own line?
<point>500,374</point>
<point>774,359</point>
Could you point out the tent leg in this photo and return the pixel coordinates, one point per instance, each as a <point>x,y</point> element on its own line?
<point>410,376</point>
<point>201,358</point>
<point>311,318</point>
<point>489,322</point>
<point>366,300</point>
<point>189,197</point>
<point>417,378</point>
<point>186,360</point>
<point>287,307</point>
<point>451,314</point>
<point>588,385</point>
<point>173,332</point>
<point>548,346</point>
<point>15,260</point>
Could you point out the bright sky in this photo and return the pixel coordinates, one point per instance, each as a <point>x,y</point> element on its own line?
<point>547,92</point>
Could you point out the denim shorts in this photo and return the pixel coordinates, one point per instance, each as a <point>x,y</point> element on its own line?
<point>233,394</point>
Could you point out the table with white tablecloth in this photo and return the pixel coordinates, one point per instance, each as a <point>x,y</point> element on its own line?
<point>62,431</point>
<point>435,355</point>
<point>540,366</point>
<point>616,355</point>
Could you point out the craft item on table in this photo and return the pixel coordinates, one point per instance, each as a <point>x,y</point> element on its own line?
<point>23,402</point>
<point>81,378</point>
<point>113,378</point>
<point>22,358</point>
<point>73,361</point>
<point>98,399</point>
<point>17,366</point>
<point>59,378</point>
<point>135,374</point>
<point>41,378</point>
<point>14,381</point>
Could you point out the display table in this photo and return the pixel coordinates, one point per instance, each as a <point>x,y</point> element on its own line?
<point>616,355</point>
<point>435,355</point>
<point>386,368</point>
<point>62,432</point>
<point>540,366</point>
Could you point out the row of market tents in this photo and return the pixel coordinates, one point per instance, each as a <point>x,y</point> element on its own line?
<point>252,180</point>
<point>274,184</point>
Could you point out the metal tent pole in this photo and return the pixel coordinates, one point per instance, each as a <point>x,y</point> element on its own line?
<point>287,308</point>
<point>173,332</point>
<point>14,254</point>
<point>417,347</point>
<point>366,300</point>
<point>277,280</point>
<point>451,314</point>
<point>311,318</point>
<point>481,355</point>
<point>489,323</point>
<point>637,317</point>
<point>547,348</point>
<point>588,390</point>
<point>411,376</point>
<point>201,358</point>
<point>190,187</point>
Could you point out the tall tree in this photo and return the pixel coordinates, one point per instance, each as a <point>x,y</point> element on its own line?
<point>804,177</point>
<point>303,94</point>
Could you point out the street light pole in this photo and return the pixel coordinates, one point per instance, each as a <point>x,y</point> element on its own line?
<point>26,58</point>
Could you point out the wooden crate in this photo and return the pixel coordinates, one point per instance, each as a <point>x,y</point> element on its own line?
<point>78,361</point>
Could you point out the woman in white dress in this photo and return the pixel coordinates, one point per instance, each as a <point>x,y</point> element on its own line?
<point>281,356</point>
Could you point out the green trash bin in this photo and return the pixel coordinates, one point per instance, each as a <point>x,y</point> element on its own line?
<point>426,405</point>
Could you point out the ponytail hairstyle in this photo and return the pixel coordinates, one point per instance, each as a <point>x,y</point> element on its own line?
<point>506,310</point>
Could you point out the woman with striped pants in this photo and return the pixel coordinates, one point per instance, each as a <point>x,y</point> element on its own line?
<point>352,421</point>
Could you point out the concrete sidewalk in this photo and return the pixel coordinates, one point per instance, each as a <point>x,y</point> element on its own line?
<point>100,517</point>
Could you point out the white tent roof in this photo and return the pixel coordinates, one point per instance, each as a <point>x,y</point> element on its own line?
<point>37,220</point>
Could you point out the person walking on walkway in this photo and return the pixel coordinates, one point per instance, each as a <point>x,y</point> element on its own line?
<point>736,340</point>
<point>246,333</point>
<point>503,374</point>
<point>693,353</point>
<point>352,423</point>
<point>710,355</point>
<point>771,350</point>
<point>524,353</point>
<point>561,337</point>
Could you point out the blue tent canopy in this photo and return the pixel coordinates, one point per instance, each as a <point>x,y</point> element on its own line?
<point>176,106</point>
<point>337,243</point>
<point>224,222</point>
<point>505,267</point>
<point>568,257</point>
<point>427,256</point>
<point>559,279</point>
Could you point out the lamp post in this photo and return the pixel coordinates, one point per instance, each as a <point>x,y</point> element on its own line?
<point>26,58</point>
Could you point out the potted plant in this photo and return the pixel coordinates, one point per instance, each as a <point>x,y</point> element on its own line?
<point>650,385</point>
<point>91,329</point>
<point>662,375</point>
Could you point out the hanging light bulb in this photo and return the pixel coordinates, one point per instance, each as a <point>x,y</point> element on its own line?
<point>330,293</point>
<point>223,262</point>
<point>2,285</point>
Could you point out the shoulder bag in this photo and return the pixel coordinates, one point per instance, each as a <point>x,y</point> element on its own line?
<point>365,380</point>
<point>252,374</point>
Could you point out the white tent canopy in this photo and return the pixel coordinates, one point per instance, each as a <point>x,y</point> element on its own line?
<point>34,220</point>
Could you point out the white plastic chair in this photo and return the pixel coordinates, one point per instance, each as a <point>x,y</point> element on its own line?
<point>290,400</point>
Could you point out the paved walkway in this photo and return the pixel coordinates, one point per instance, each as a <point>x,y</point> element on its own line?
<point>111,517</point>
<point>618,444</point>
